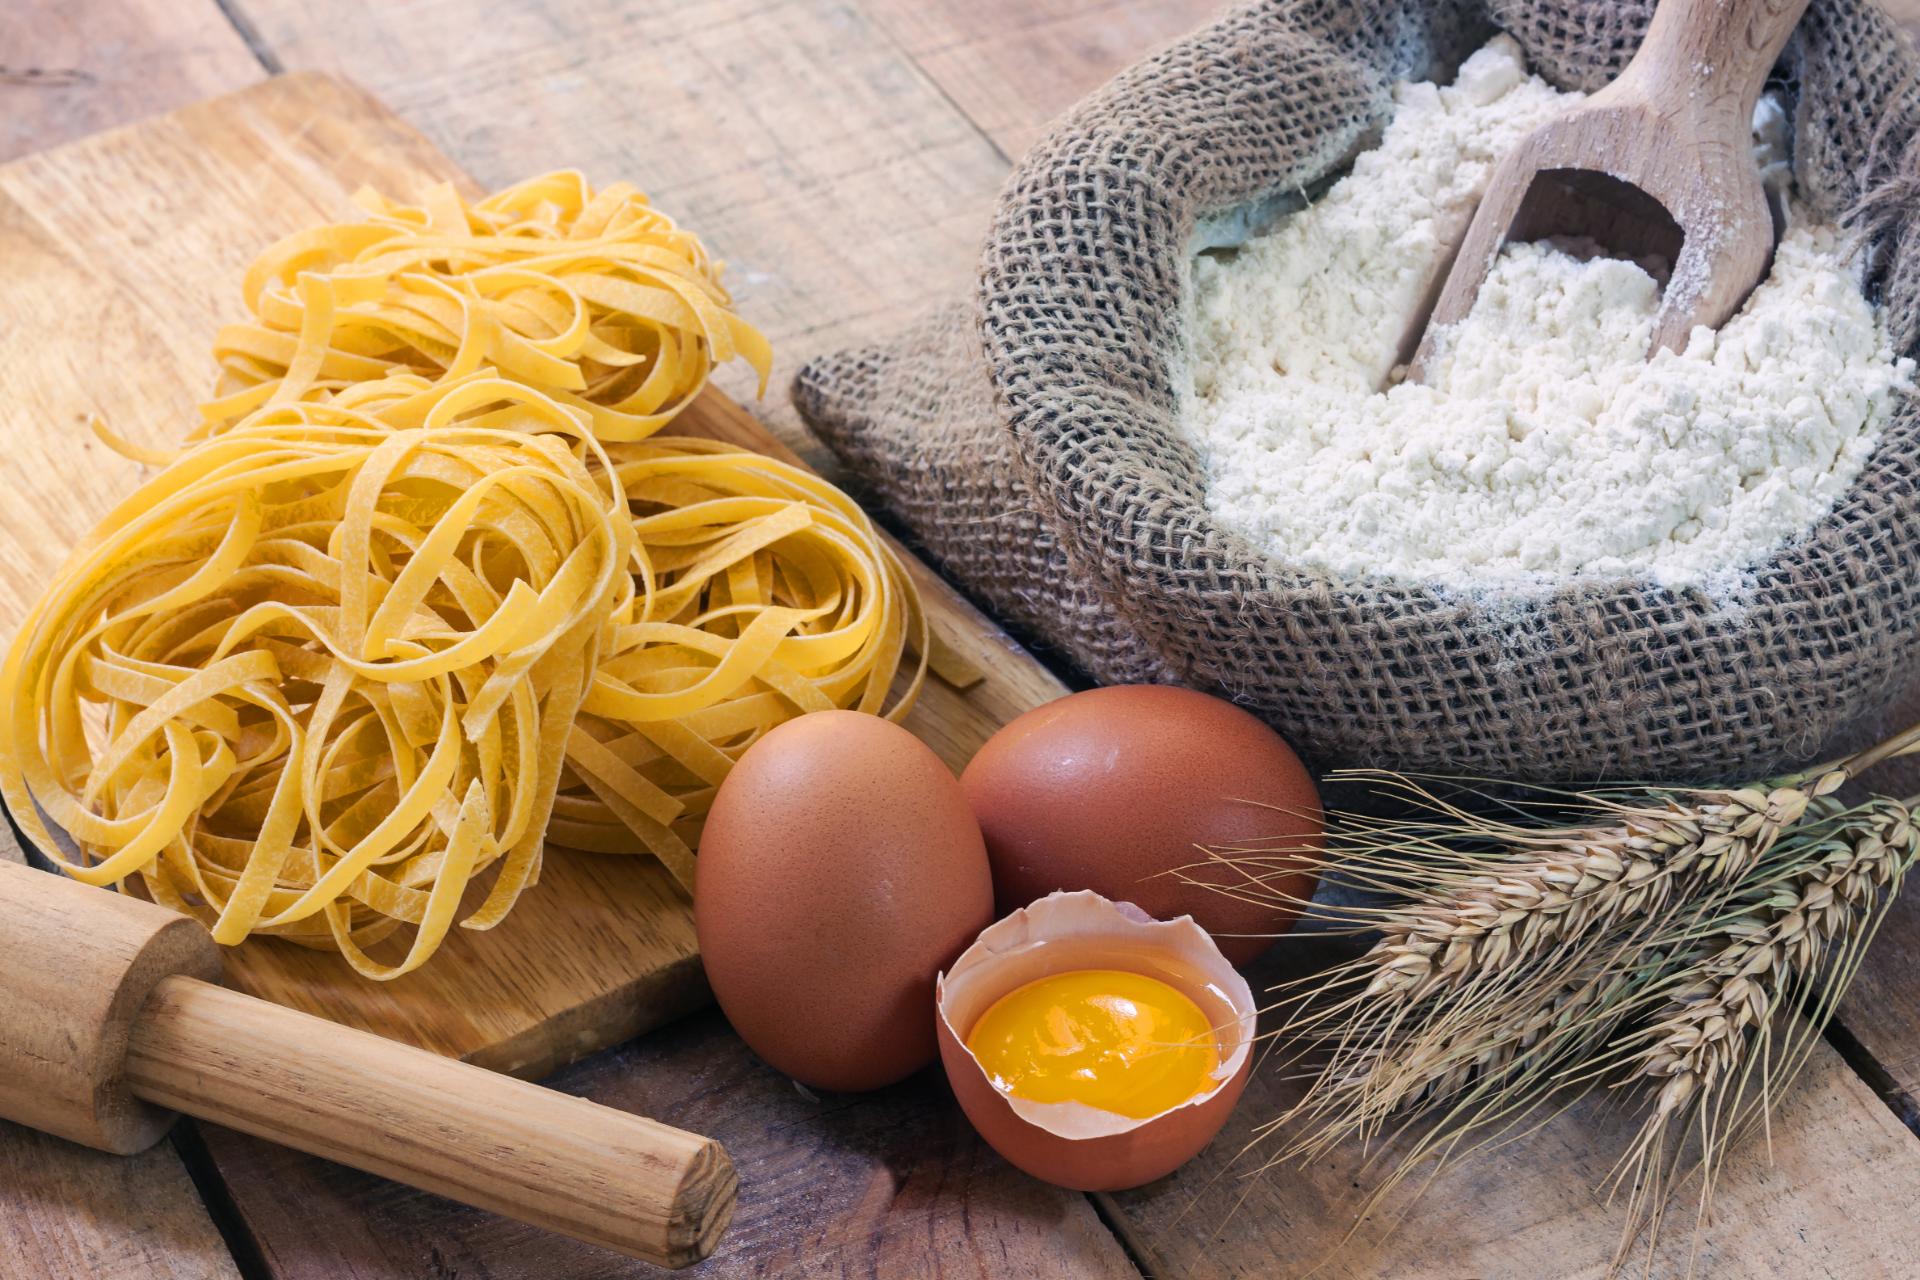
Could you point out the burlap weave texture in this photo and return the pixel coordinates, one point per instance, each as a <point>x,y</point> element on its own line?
<point>1026,434</point>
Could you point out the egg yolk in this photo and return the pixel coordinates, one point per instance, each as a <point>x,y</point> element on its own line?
<point>1120,1042</point>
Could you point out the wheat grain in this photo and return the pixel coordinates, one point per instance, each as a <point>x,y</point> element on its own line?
<point>1568,882</point>
<point>1487,972</point>
<point>1763,957</point>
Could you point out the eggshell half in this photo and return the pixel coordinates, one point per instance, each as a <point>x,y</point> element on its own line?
<point>1070,1144</point>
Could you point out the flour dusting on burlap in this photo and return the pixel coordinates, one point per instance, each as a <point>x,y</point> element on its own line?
<point>1026,434</point>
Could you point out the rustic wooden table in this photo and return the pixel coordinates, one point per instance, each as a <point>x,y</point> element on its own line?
<point>841,154</point>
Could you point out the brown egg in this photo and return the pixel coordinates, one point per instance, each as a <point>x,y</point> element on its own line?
<point>840,870</point>
<point>1112,788</point>
<point>1070,1144</point>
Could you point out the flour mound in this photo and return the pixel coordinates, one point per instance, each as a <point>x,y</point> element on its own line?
<point>1545,444</point>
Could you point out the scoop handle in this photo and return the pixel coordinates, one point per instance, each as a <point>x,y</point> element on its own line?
<point>548,1158</point>
<point>1712,55</point>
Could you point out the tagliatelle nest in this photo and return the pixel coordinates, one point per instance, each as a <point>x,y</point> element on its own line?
<point>596,298</point>
<point>329,665</point>
<point>762,592</point>
<point>319,673</point>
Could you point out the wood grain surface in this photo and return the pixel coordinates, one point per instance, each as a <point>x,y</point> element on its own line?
<point>887,1184</point>
<point>71,1212</point>
<point>76,66</point>
<point>1830,1195</point>
<point>603,947</point>
<point>843,155</point>
<point>1011,66</point>
<point>1882,1011</point>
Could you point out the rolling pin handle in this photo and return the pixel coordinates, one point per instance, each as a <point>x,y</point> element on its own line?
<point>544,1157</point>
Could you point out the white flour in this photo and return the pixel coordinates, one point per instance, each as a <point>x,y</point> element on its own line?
<point>1546,443</point>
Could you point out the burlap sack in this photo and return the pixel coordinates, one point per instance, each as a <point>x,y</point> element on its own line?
<point>1026,435</point>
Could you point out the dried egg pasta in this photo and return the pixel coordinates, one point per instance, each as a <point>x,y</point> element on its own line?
<point>320,672</point>
<point>422,593</point>
<point>595,298</point>
<point>762,592</point>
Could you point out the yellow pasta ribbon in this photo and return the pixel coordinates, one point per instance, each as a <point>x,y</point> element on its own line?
<point>594,297</point>
<point>321,672</point>
<point>761,592</point>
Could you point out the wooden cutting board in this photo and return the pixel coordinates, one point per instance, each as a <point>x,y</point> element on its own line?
<point>119,257</point>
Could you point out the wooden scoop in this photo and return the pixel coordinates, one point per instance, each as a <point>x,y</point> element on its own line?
<point>1659,163</point>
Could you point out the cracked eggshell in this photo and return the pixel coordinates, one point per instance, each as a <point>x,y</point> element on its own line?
<point>1071,1144</point>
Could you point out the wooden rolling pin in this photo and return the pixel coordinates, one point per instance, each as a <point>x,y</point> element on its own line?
<point>110,1021</point>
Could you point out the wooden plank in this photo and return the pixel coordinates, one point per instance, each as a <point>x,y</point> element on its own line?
<point>70,67</point>
<point>1882,1011</point>
<point>887,1184</point>
<point>844,190</point>
<point>71,1211</point>
<point>603,948</point>
<point>1832,1198</point>
<point>1012,66</point>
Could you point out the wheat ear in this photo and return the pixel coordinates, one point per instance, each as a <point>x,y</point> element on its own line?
<point>1500,948</point>
<point>1759,990</point>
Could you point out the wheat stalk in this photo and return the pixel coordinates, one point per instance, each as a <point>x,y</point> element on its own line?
<point>1497,951</point>
<point>1783,931</point>
<point>1773,969</point>
<point>1565,882</point>
<point>1652,942</point>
